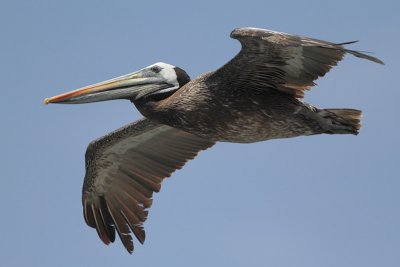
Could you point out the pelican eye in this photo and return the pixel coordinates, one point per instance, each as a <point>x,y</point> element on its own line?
<point>155,69</point>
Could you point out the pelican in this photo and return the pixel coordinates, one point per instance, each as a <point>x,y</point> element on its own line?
<point>256,96</point>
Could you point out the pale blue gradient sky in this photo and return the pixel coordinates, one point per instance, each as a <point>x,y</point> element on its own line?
<point>309,201</point>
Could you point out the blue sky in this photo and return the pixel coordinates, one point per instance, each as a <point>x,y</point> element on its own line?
<point>308,201</point>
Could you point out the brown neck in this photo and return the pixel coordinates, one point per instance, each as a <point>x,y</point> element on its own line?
<point>150,109</point>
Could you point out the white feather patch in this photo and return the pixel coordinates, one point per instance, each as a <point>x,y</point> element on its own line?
<point>167,72</point>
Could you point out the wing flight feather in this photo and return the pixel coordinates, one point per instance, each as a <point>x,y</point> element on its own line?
<point>279,61</point>
<point>124,168</point>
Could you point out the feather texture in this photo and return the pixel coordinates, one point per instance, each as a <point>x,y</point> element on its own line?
<point>124,168</point>
<point>272,60</point>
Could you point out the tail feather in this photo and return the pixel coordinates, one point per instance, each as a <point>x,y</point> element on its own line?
<point>342,120</point>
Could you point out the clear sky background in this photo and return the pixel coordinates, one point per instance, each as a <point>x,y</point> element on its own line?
<point>310,201</point>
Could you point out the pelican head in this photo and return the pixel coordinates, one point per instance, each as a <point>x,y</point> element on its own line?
<point>159,79</point>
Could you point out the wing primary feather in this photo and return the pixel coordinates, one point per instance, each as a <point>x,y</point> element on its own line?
<point>347,43</point>
<point>100,227</point>
<point>106,218</point>
<point>144,191</point>
<point>131,219</point>
<point>138,229</point>
<point>130,186</point>
<point>88,214</point>
<point>143,180</point>
<point>368,57</point>
<point>131,203</point>
<point>122,227</point>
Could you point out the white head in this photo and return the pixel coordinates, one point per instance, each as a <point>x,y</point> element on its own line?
<point>167,71</point>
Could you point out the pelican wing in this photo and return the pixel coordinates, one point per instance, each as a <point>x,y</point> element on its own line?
<point>124,168</point>
<point>280,61</point>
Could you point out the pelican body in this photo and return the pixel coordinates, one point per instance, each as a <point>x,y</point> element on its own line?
<point>201,108</point>
<point>254,97</point>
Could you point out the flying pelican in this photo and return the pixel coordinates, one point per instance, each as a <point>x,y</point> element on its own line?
<point>254,97</point>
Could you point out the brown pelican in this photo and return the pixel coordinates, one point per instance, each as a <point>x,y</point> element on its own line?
<point>254,97</point>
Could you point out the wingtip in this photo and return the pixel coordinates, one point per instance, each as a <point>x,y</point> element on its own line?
<point>130,249</point>
<point>377,60</point>
<point>380,61</point>
<point>349,42</point>
<point>365,56</point>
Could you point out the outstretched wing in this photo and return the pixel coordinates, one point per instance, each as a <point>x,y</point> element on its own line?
<point>124,168</point>
<point>285,62</point>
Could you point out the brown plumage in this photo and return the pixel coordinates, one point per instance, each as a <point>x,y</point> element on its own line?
<point>254,97</point>
<point>124,168</point>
